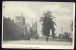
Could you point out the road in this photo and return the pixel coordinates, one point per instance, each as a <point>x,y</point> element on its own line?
<point>37,42</point>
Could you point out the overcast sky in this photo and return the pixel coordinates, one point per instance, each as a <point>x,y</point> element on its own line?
<point>63,11</point>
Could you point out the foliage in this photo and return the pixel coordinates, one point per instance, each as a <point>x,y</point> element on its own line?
<point>64,36</point>
<point>11,31</point>
<point>71,25</point>
<point>47,24</point>
<point>33,30</point>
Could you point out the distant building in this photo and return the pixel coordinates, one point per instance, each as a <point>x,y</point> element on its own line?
<point>34,30</point>
<point>34,26</point>
<point>20,20</point>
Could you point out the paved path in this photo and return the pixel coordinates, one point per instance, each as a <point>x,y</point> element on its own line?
<point>36,42</point>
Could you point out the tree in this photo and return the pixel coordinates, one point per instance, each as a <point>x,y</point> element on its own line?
<point>11,30</point>
<point>47,24</point>
<point>36,36</point>
<point>71,34</point>
<point>66,36</point>
<point>71,21</point>
<point>33,30</point>
<point>60,36</point>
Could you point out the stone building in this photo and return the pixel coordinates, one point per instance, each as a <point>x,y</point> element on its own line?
<point>20,20</point>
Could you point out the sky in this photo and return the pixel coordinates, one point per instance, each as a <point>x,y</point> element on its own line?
<point>32,11</point>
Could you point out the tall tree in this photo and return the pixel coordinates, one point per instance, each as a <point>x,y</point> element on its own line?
<point>71,21</point>
<point>47,24</point>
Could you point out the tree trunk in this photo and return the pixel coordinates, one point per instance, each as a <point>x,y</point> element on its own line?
<point>53,33</point>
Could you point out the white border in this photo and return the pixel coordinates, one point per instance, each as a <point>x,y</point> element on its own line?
<point>40,46</point>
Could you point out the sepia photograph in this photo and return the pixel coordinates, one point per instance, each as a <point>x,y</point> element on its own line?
<point>38,25</point>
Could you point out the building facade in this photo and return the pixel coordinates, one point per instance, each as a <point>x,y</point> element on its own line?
<point>20,20</point>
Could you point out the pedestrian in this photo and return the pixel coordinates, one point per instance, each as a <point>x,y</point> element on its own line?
<point>47,39</point>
